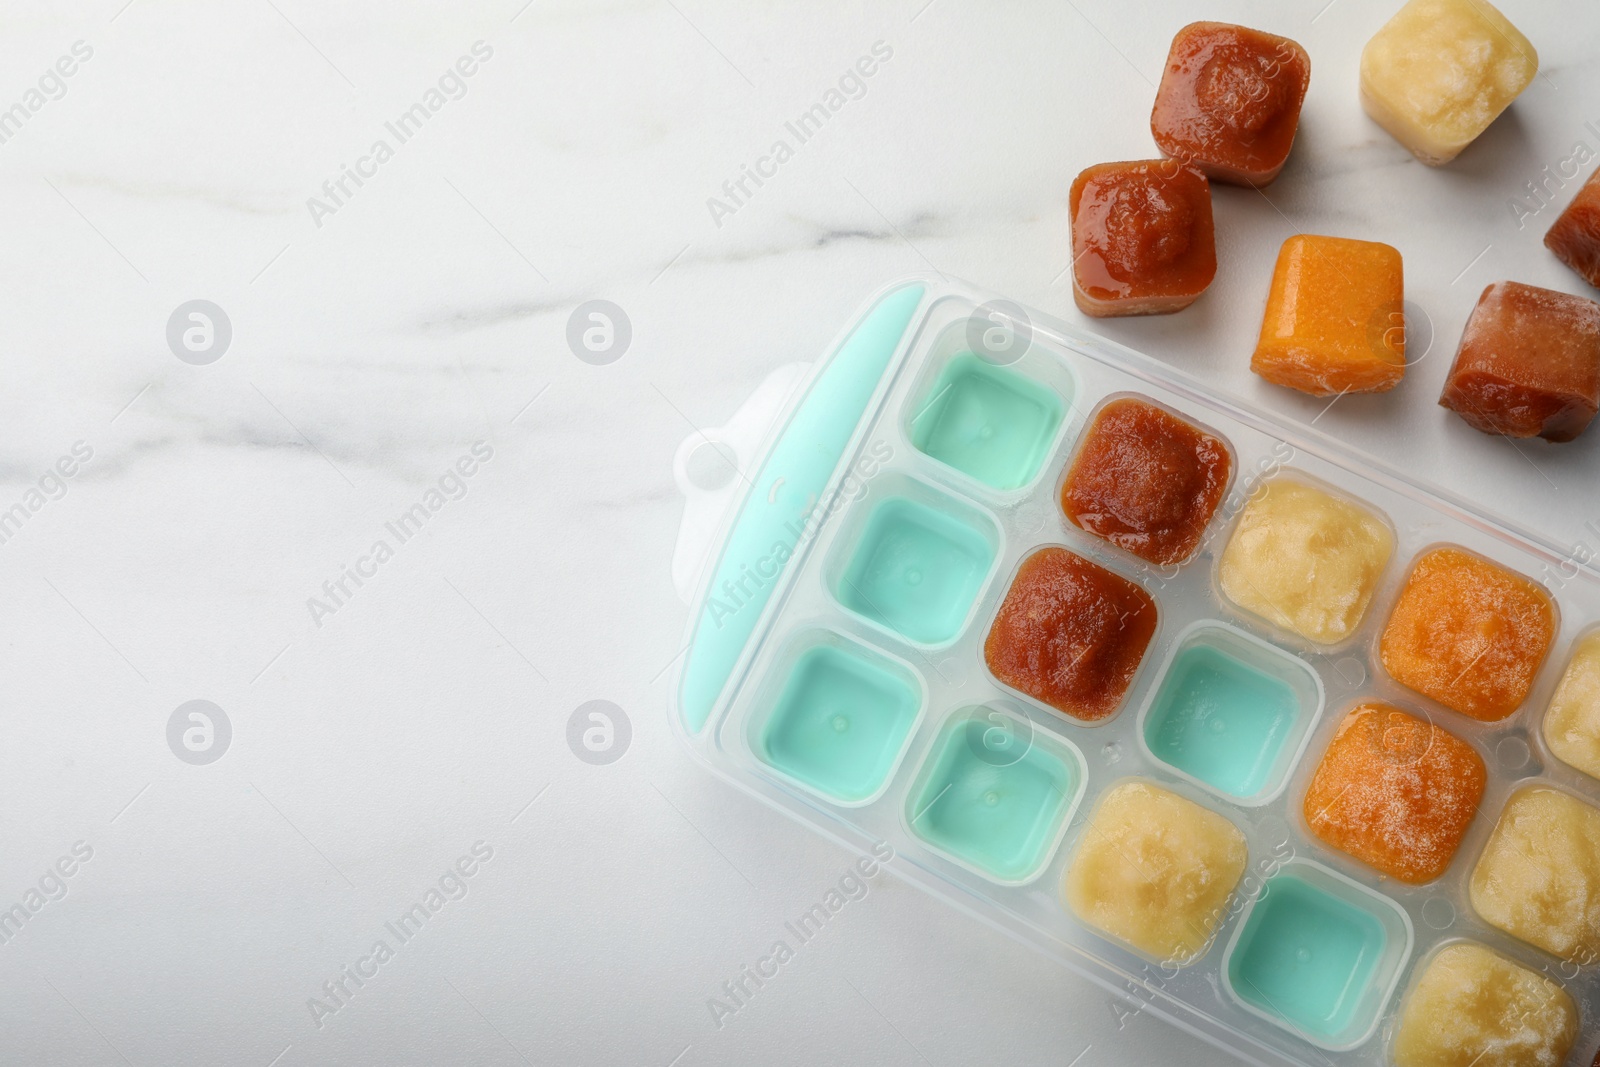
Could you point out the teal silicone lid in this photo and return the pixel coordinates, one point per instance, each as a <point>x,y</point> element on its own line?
<point>785,495</point>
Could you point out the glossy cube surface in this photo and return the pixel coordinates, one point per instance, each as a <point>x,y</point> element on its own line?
<point>1229,101</point>
<point>1143,241</point>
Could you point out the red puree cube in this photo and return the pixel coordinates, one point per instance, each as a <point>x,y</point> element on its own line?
<point>1229,101</point>
<point>1142,238</point>
<point>1575,235</point>
<point>1529,363</point>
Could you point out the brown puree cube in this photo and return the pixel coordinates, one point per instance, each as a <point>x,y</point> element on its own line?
<point>1142,238</point>
<point>1529,363</point>
<point>1229,101</point>
<point>1146,481</point>
<point>1070,634</point>
<point>1575,235</point>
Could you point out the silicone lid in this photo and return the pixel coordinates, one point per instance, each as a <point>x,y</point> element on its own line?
<point>783,494</point>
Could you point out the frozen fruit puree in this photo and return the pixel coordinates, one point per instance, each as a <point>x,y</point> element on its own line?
<point>1229,101</point>
<point>1155,870</point>
<point>1147,481</point>
<point>1529,363</point>
<point>1572,725</point>
<point>1335,320</point>
<point>1142,238</point>
<point>1468,633</point>
<point>1395,792</point>
<point>1539,876</point>
<point>1070,633</point>
<point>1439,72</point>
<point>1472,1007</point>
<point>1575,235</point>
<point>1305,560</point>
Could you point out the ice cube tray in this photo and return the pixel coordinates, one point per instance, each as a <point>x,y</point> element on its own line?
<point>835,668</point>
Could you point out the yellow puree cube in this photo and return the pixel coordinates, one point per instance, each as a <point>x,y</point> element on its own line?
<point>1572,725</point>
<point>1539,876</point>
<point>1475,1008</point>
<point>1440,71</point>
<point>1156,870</point>
<point>1304,560</point>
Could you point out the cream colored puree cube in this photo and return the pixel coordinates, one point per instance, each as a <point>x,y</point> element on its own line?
<point>1440,71</point>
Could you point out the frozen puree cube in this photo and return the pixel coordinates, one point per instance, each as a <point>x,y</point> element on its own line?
<point>1142,238</point>
<point>1070,633</point>
<point>1155,870</point>
<point>1529,363</point>
<point>1575,235</point>
<point>1229,101</point>
<point>1304,560</point>
<point>1335,320</point>
<point>1472,1006</point>
<point>1440,71</point>
<point>1396,792</point>
<point>1572,725</point>
<point>1468,633</point>
<point>1539,876</point>
<point>1146,481</point>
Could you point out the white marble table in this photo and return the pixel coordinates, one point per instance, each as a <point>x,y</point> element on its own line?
<point>382,332</point>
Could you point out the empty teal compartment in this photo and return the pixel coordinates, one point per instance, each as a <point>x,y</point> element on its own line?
<point>1232,712</point>
<point>841,722</point>
<point>1319,956</point>
<point>1220,720</point>
<point>916,570</point>
<point>987,421</point>
<point>995,796</point>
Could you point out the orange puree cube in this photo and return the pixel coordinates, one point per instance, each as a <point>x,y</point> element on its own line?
<point>1229,101</point>
<point>1529,363</point>
<point>1468,633</point>
<point>1575,235</point>
<point>1334,322</point>
<point>1396,792</point>
<point>1142,238</point>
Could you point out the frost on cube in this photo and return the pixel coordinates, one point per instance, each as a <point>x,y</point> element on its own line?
<point>1529,363</point>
